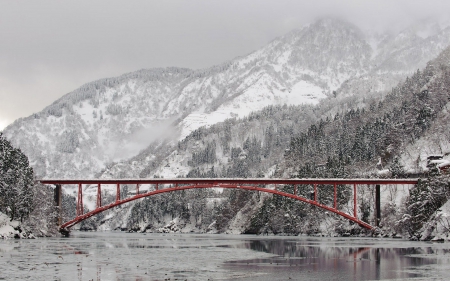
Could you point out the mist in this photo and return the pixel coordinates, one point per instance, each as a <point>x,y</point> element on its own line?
<point>139,140</point>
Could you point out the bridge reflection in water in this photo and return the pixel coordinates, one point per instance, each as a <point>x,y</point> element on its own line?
<point>260,184</point>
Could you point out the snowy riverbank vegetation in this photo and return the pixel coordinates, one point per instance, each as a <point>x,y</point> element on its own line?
<point>26,207</point>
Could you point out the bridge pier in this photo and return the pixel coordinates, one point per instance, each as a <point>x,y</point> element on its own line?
<point>335,196</point>
<point>315,192</point>
<point>80,208</point>
<point>58,202</point>
<point>355,213</point>
<point>118,192</point>
<point>64,232</point>
<point>378,205</point>
<point>99,195</point>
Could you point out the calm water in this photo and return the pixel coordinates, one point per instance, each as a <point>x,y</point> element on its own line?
<point>136,256</point>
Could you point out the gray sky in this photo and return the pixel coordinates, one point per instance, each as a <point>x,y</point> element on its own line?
<point>50,47</point>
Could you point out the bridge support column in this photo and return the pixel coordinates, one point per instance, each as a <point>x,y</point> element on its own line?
<point>354,202</point>
<point>99,196</point>
<point>295,189</point>
<point>315,192</point>
<point>335,196</point>
<point>118,192</point>
<point>137,189</point>
<point>80,210</point>
<point>378,205</point>
<point>58,202</point>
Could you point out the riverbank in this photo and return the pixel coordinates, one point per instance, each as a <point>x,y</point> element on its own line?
<point>12,229</point>
<point>7,227</point>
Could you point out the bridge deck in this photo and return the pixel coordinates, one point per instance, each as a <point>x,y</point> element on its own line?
<point>230,180</point>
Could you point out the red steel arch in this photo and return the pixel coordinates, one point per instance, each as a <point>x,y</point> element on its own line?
<point>245,184</point>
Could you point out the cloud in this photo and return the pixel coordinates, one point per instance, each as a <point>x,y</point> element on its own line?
<point>49,48</point>
<point>142,138</point>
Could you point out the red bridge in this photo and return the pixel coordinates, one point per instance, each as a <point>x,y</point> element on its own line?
<point>260,184</point>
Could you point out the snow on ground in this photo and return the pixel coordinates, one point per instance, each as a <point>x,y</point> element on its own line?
<point>173,166</point>
<point>438,227</point>
<point>304,93</point>
<point>282,60</point>
<point>86,111</point>
<point>7,227</point>
<point>253,99</point>
<point>441,163</point>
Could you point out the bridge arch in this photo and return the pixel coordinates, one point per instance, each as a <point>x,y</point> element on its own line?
<point>260,185</point>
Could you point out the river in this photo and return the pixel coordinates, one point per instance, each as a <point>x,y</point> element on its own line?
<point>145,256</point>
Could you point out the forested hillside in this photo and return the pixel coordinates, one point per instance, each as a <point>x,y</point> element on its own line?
<point>280,141</point>
<point>362,141</point>
<point>359,139</point>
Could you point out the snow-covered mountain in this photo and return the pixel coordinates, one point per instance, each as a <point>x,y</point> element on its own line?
<point>112,119</point>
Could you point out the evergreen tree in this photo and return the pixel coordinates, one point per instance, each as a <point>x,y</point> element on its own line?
<point>424,200</point>
<point>16,182</point>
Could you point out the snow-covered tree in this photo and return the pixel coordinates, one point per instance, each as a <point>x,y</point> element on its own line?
<point>424,200</point>
<point>397,169</point>
<point>16,181</point>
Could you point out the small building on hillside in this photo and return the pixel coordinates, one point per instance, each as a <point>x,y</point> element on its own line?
<point>321,167</point>
<point>432,160</point>
<point>438,161</point>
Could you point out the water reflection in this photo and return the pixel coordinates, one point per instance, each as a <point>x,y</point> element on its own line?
<point>124,256</point>
<point>338,258</point>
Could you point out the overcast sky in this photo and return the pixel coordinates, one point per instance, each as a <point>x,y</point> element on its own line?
<point>49,48</point>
